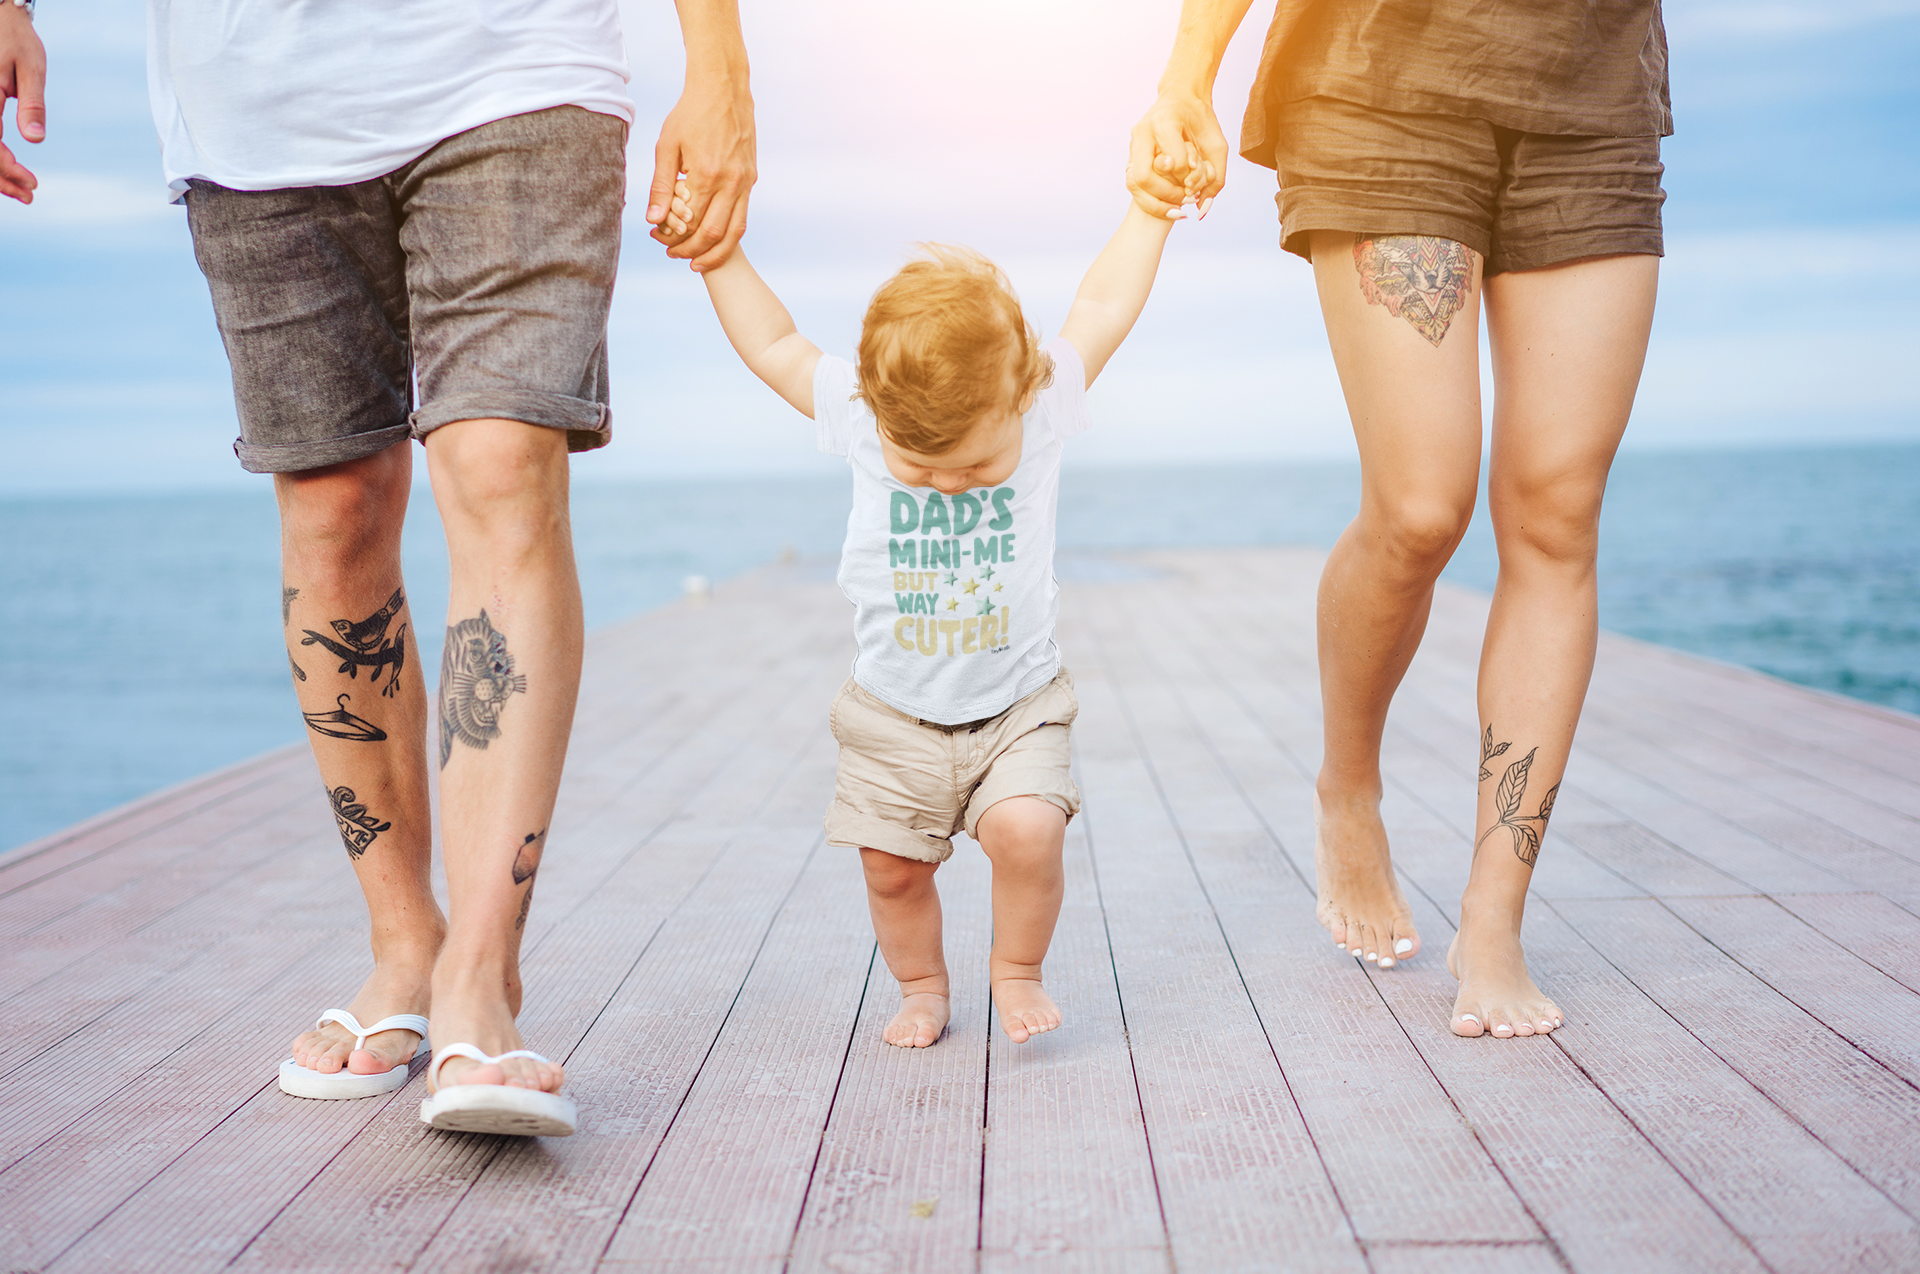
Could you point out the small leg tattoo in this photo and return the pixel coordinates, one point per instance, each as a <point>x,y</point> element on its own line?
<point>342,724</point>
<point>358,828</point>
<point>1489,750</point>
<point>476,676</point>
<point>366,644</point>
<point>1506,804</point>
<point>526,865</point>
<point>1420,278</point>
<point>286,604</point>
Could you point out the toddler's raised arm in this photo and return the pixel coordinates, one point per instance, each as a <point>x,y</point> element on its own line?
<point>762,331</point>
<point>1115,289</point>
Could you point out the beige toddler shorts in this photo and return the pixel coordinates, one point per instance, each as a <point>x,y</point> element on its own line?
<point>906,786</point>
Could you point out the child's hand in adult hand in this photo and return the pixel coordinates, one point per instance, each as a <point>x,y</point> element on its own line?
<point>23,77</point>
<point>1178,155</point>
<point>709,137</point>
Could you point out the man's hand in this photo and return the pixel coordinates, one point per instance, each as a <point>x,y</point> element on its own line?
<point>23,77</point>
<point>709,137</point>
<point>1178,156</point>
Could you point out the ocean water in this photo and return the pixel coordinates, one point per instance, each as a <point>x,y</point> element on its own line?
<point>144,642</point>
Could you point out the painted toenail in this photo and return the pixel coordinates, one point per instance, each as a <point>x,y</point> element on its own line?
<point>1468,1017</point>
<point>1373,955</point>
<point>1386,962</point>
<point>1403,946</point>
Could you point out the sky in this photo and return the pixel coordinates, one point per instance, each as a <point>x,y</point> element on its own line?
<point>1786,312</point>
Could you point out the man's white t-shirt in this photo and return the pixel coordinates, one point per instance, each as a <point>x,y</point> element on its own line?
<point>270,94</point>
<point>954,597</point>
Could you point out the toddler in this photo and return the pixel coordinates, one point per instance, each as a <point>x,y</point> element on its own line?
<point>957,712</point>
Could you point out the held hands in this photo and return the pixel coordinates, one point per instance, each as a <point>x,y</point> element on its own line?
<point>1178,156</point>
<point>709,139</point>
<point>23,77</point>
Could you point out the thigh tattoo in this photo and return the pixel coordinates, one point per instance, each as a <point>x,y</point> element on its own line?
<point>1421,278</point>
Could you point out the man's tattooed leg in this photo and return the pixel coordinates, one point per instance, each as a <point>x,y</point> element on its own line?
<point>358,828</point>
<point>476,677</point>
<point>1421,278</point>
<point>1526,829</point>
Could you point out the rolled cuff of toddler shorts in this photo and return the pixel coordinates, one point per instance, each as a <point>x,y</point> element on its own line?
<point>296,457</point>
<point>849,827</point>
<point>589,425</point>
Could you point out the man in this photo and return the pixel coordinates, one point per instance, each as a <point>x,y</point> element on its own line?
<point>409,218</point>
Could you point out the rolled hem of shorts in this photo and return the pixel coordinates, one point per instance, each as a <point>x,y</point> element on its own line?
<point>1343,217</point>
<point>589,425</point>
<point>1638,242</point>
<point>297,457</point>
<point>1056,799</point>
<point>855,830</point>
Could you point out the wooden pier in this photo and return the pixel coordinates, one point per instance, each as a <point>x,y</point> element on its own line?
<point>1728,910</point>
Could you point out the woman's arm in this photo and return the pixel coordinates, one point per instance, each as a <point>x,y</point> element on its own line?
<point>762,331</point>
<point>1115,289</point>
<point>1158,167</point>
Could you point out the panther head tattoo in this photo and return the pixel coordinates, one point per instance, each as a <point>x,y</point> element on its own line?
<point>476,677</point>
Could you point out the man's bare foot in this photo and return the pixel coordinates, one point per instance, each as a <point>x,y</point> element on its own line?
<point>1026,1010</point>
<point>462,1015</point>
<point>1360,900</point>
<point>921,1019</point>
<point>398,984</point>
<point>1497,995</point>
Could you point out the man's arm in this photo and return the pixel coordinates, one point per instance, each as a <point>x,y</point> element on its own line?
<point>708,136</point>
<point>762,331</point>
<point>23,77</point>
<point>1115,289</point>
<point>1158,163</point>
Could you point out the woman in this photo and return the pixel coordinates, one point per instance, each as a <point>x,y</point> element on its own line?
<point>1435,156</point>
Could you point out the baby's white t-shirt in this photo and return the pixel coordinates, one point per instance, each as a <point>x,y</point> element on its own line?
<point>272,94</point>
<point>954,597</point>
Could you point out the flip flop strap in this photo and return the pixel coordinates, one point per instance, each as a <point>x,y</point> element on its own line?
<point>398,1022</point>
<point>446,1052</point>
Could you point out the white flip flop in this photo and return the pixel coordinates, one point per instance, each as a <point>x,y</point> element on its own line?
<point>494,1108</point>
<point>341,1085</point>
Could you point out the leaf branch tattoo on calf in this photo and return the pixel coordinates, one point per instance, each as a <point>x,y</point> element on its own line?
<point>366,644</point>
<point>1420,278</point>
<point>1506,802</point>
<point>476,676</point>
<point>526,865</point>
<point>358,828</point>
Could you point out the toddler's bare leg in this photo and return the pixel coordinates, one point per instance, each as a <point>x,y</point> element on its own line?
<point>906,919</point>
<point>1023,837</point>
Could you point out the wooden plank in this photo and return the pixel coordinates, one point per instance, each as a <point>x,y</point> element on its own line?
<point>897,1182</point>
<point>729,1181</point>
<point>1854,1105</point>
<point>1869,926</point>
<point>1359,1083</point>
<point>1447,1258</point>
<point>1240,1177</point>
<point>1849,996</point>
<point>1068,1173</point>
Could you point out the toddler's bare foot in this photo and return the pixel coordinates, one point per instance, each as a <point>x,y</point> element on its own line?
<point>1025,1008</point>
<point>1360,900</point>
<point>921,1019</point>
<point>398,984</point>
<point>1497,994</point>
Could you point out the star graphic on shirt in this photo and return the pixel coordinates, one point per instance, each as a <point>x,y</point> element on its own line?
<point>953,603</point>
<point>952,579</point>
<point>998,587</point>
<point>986,606</point>
<point>970,585</point>
<point>986,572</point>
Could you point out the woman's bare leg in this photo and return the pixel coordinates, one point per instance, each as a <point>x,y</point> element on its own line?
<point>1568,344</point>
<point>1402,317</point>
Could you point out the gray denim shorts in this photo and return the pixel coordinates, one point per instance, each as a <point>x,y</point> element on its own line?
<point>482,271</point>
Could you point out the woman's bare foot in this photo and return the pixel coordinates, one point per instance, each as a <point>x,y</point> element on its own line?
<point>1360,900</point>
<point>398,984</point>
<point>1497,995</point>
<point>463,1015</point>
<point>1026,1010</point>
<point>921,1019</point>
